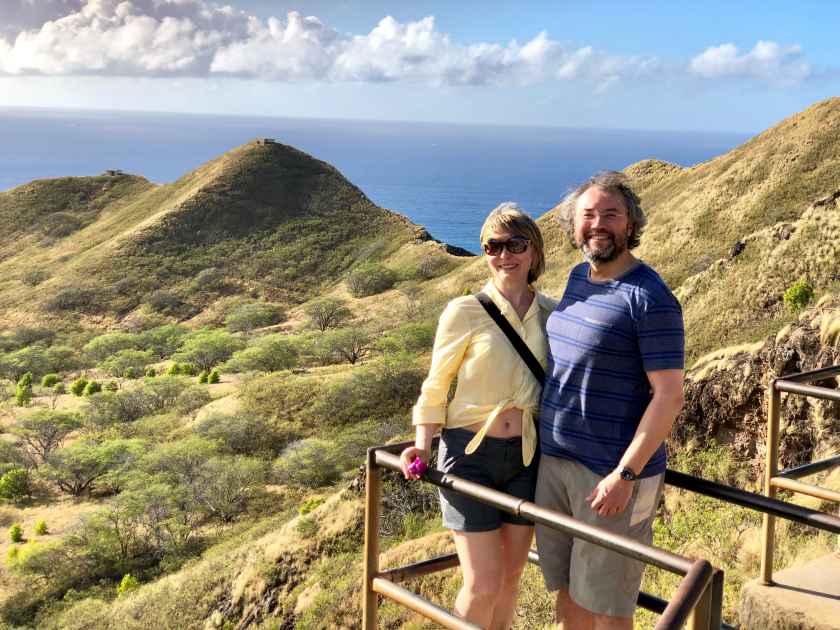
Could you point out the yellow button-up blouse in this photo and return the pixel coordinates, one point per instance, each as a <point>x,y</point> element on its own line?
<point>491,375</point>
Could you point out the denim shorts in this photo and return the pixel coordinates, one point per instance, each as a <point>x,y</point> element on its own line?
<point>496,463</point>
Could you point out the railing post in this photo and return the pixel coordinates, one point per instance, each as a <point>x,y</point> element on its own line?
<point>716,617</point>
<point>373,507</point>
<point>701,615</point>
<point>770,470</point>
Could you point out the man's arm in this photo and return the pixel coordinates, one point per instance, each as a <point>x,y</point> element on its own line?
<point>612,494</point>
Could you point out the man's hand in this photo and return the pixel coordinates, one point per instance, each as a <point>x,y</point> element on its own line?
<point>611,495</point>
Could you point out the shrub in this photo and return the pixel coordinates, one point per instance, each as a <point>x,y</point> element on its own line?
<point>187,369</point>
<point>15,484</point>
<point>369,279</point>
<point>126,363</point>
<point>214,376</point>
<point>163,340</point>
<point>210,279</point>
<point>798,295</point>
<point>16,533</point>
<point>307,463</point>
<point>306,527</point>
<point>310,504</point>
<point>202,377</point>
<point>101,347</point>
<point>77,387</point>
<point>164,301</point>
<point>150,372</point>
<point>207,348</point>
<point>173,370</point>
<point>93,387</point>
<point>271,353</point>
<point>111,386</point>
<point>35,277</point>
<point>74,298</point>
<point>411,337</point>
<point>247,317</point>
<point>328,313</point>
<point>127,584</point>
<point>23,391</point>
<point>41,528</point>
<point>191,400</point>
<point>243,433</point>
<point>346,344</point>
<point>77,468</point>
<point>49,380</point>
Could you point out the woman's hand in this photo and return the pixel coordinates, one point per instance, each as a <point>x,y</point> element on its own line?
<point>408,456</point>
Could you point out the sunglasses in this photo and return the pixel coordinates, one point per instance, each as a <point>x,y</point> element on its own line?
<point>515,245</point>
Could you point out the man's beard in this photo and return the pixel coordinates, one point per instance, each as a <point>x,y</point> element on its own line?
<point>604,255</point>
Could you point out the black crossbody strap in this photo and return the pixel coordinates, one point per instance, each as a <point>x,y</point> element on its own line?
<point>520,346</point>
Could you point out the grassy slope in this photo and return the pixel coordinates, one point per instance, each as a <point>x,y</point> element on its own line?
<point>697,214</point>
<point>281,225</point>
<point>749,194</point>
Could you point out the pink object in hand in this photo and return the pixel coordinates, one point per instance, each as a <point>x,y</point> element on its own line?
<point>417,467</point>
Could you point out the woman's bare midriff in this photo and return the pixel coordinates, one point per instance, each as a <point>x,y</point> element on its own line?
<point>507,424</point>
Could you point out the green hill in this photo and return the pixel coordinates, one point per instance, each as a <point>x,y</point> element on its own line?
<point>277,225</point>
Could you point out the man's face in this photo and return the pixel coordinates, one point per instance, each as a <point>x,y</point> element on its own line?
<point>602,225</point>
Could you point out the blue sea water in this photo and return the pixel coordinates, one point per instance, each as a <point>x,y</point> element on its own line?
<point>442,176</point>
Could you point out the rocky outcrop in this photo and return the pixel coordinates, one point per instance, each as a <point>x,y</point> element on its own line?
<point>726,393</point>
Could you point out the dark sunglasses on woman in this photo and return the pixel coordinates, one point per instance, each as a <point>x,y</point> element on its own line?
<point>515,245</point>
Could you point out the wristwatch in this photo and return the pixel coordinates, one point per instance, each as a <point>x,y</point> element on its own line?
<point>627,474</point>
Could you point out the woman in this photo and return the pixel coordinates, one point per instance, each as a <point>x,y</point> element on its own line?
<point>488,427</point>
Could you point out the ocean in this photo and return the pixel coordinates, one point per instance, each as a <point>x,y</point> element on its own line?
<point>445,177</point>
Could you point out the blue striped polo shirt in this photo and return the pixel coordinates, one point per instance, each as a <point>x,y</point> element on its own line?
<point>603,338</point>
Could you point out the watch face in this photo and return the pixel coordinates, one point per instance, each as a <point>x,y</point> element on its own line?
<point>627,474</point>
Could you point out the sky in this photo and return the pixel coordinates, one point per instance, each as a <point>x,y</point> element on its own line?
<point>710,66</point>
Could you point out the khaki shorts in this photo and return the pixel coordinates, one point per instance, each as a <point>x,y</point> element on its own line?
<point>601,581</point>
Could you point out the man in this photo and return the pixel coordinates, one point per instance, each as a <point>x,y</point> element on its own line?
<point>613,389</point>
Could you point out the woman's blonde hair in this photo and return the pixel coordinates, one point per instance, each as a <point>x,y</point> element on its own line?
<point>509,217</point>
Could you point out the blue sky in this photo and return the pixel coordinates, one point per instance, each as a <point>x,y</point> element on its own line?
<point>642,65</point>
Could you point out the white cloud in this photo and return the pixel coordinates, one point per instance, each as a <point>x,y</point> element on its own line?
<point>767,61</point>
<point>195,38</point>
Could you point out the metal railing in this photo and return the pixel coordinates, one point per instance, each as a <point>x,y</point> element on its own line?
<point>697,601</point>
<point>775,479</point>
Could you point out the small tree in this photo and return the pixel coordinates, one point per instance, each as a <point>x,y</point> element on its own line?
<point>127,584</point>
<point>41,528</point>
<point>214,377</point>
<point>202,378</point>
<point>798,295</point>
<point>15,484</point>
<point>77,387</point>
<point>16,533</point>
<point>151,372</point>
<point>191,400</point>
<point>93,387</point>
<point>328,312</point>
<point>43,432</point>
<point>247,317</point>
<point>127,363</point>
<point>348,344</point>
<point>369,279</point>
<point>49,380</point>
<point>271,353</point>
<point>57,390</point>
<point>23,392</point>
<point>206,348</point>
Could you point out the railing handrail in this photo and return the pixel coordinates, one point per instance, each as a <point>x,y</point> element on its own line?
<point>694,599</point>
<point>616,542</point>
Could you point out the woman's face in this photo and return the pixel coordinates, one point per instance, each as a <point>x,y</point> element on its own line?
<point>508,268</point>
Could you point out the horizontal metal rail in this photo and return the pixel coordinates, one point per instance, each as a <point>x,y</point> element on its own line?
<point>754,501</point>
<point>813,375</point>
<point>811,490</point>
<point>807,390</point>
<point>810,469</point>
<point>420,605</point>
<point>622,544</point>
